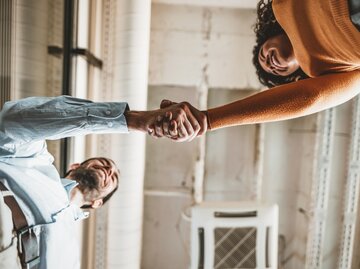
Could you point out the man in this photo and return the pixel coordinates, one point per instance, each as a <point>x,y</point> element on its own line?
<point>46,206</point>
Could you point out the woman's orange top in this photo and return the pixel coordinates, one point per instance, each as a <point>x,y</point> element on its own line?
<point>327,47</point>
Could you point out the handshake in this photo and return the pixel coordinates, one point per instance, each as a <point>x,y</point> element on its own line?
<point>177,121</point>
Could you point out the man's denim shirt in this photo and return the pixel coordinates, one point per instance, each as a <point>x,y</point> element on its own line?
<point>26,166</point>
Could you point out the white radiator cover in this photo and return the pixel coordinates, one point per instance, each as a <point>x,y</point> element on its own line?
<point>235,235</point>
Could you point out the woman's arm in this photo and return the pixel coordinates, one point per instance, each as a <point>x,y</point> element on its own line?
<point>284,102</point>
<point>288,101</point>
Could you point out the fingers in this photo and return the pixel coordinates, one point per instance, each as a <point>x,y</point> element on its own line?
<point>182,132</point>
<point>194,125</point>
<point>173,130</point>
<point>187,125</point>
<point>151,131</point>
<point>158,126</point>
<point>189,130</point>
<point>166,103</point>
<point>202,118</point>
<point>197,118</point>
<point>162,123</point>
<point>166,123</point>
<point>164,126</point>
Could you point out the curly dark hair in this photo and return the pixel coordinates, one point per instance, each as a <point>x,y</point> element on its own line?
<point>266,27</point>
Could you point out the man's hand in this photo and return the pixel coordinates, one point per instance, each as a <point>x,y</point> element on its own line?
<point>181,122</point>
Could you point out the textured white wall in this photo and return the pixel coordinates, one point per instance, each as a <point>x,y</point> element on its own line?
<point>230,155</point>
<point>188,43</point>
<point>169,166</point>
<point>183,38</point>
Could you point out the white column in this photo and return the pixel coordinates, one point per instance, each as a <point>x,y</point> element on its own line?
<point>259,162</point>
<point>351,192</point>
<point>130,82</point>
<point>202,91</point>
<point>320,189</point>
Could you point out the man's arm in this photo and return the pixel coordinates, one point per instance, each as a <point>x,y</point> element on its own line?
<point>39,118</point>
<point>35,119</point>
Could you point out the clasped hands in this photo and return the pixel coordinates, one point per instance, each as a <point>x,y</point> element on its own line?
<point>178,121</point>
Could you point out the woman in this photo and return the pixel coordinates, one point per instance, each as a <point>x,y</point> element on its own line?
<point>308,51</point>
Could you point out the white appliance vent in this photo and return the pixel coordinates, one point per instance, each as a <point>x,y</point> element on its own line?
<point>234,235</point>
<point>235,248</point>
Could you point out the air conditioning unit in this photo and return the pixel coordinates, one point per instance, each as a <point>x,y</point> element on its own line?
<point>229,235</point>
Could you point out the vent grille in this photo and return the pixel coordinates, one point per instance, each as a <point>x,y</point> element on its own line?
<point>235,248</point>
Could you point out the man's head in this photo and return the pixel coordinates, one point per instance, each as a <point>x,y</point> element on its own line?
<point>97,179</point>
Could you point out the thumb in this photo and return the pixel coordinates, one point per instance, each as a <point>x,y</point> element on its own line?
<point>166,103</point>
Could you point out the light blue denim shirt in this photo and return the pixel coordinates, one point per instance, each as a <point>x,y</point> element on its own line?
<point>26,166</point>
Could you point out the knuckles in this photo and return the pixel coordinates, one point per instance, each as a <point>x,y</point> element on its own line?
<point>179,112</point>
<point>197,128</point>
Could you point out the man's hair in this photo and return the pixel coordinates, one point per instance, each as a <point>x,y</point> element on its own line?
<point>108,196</point>
<point>266,27</point>
<point>88,182</point>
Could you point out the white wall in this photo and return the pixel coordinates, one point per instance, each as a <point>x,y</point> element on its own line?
<point>189,44</point>
<point>169,166</point>
<point>186,39</point>
<point>230,155</point>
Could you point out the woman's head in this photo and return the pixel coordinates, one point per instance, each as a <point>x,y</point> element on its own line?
<point>273,55</point>
<point>276,56</point>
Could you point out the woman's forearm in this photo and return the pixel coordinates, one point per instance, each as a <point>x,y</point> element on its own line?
<point>288,101</point>
<point>271,105</point>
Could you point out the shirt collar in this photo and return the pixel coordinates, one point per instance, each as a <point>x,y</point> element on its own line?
<point>68,185</point>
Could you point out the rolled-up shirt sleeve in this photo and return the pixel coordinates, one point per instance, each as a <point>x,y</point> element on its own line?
<point>40,118</point>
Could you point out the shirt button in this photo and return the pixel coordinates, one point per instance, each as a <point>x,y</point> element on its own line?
<point>110,124</point>
<point>108,112</point>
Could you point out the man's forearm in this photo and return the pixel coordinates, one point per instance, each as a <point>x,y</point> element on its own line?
<point>39,118</point>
